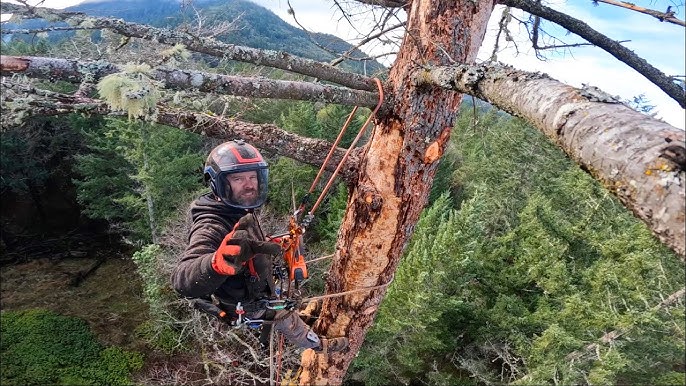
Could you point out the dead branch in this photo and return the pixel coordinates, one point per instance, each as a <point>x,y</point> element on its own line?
<point>266,136</point>
<point>667,16</point>
<point>75,71</point>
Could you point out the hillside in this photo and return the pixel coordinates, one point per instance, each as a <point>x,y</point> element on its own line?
<point>256,26</point>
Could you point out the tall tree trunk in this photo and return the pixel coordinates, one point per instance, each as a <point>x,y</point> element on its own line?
<point>395,176</point>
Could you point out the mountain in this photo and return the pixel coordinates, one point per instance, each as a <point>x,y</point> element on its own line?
<point>255,26</point>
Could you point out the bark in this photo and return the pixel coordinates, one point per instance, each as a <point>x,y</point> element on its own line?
<point>76,71</point>
<point>204,45</point>
<point>612,47</point>
<point>620,147</point>
<point>395,177</point>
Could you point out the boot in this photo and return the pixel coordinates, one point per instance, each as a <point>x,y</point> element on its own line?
<point>310,314</point>
<point>332,344</point>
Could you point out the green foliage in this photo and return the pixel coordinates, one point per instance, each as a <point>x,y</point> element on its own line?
<point>328,220</point>
<point>36,47</point>
<point>538,263</point>
<point>289,181</point>
<point>39,347</point>
<point>154,287</point>
<point>20,169</point>
<point>129,162</point>
<point>159,332</point>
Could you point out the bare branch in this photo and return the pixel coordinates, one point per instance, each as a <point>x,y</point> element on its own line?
<point>612,47</point>
<point>209,46</point>
<point>386,3</point>
<point>346,55</point>
<point>74,71</point>
<point>667,16</point>
<point>39,30</point>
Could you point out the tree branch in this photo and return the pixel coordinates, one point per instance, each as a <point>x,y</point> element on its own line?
<point>620,147</point>
<point>75,71</point>
<point>205,45</point>
<point>612,47</point>
<point>39,30</point>
<point>667,16</point>
<point>386,3</point>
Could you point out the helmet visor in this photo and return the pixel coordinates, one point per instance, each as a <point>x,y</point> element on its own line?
<point>243,189</point>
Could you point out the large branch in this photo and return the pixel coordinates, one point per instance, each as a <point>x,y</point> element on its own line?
<point>628,152</point>
<point>657,77</point>
<point>205,45</point>
<point>36,102</point>
<point>75,71</point>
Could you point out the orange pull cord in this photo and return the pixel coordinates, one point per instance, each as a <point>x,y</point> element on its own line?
<point>347,153</point>
<point>328,156</point>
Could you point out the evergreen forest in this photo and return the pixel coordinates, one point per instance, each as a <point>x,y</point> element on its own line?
<point>522,269</point>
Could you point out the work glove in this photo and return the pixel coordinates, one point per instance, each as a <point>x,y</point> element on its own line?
<point>239,246</point>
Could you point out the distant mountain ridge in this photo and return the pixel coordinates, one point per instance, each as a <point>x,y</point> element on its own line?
<point>257,26</point>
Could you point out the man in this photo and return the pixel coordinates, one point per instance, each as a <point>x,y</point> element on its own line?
<point>227,257</point>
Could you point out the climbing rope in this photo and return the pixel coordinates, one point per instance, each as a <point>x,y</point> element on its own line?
<point>350,148</point>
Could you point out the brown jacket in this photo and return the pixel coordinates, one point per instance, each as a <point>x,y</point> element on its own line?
<point>194,276</point>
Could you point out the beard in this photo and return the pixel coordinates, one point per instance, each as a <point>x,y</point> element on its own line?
<point>246,197</point>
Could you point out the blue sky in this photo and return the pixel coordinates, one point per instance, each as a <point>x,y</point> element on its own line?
<point>661,44</point>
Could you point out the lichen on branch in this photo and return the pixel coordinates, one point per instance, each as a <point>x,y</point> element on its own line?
<point>133,91</point>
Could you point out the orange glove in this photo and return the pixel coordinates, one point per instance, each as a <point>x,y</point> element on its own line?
<point>239,246</point>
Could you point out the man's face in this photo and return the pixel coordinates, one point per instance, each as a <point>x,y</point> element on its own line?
<point>244,187</point>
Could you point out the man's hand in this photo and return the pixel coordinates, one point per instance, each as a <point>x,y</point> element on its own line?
<point>239,246</point>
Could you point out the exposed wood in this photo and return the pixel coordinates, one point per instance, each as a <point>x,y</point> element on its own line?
<point>396,174</point>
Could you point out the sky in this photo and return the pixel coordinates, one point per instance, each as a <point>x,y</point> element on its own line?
<point>661,44</point>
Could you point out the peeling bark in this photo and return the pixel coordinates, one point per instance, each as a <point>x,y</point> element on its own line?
<point>618,146</point>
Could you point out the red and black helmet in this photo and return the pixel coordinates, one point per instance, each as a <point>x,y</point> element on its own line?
<point>237,174</point>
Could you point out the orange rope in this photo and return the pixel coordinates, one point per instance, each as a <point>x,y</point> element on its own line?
<point>333,147</point>
<point>347,153</point>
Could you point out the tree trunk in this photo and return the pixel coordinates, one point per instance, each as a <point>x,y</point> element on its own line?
<point>146,184</point>
<point>395,177</point>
